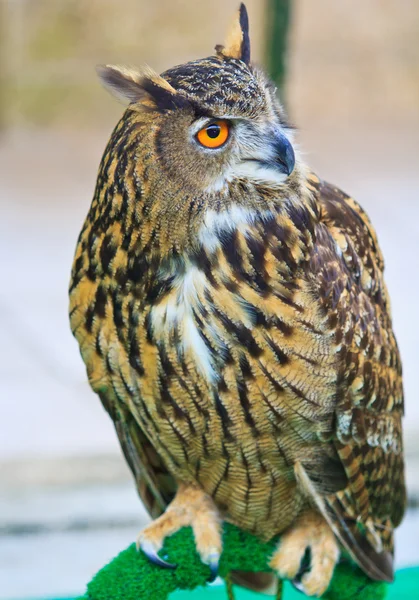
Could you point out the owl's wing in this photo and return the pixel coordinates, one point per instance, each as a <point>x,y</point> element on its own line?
<point>346,267</point>
<point>156,487</point>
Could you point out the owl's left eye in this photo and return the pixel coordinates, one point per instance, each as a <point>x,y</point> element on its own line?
<point>214,134</point>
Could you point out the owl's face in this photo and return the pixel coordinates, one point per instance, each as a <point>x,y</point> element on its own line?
<point>212,123</point>
<point>230,128</point>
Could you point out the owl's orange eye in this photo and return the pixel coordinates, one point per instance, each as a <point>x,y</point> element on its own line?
<point>214,135</point>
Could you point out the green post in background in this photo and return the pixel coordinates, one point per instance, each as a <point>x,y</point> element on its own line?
<point>2,65</point>
<point>278,14</point>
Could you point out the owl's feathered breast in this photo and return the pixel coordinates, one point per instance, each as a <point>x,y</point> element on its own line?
<point>215,352</point>
<point>268,342</point>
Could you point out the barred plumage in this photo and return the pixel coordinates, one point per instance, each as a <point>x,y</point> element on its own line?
<point>236,326</point>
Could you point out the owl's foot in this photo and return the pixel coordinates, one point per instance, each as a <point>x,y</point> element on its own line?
<point>190,507</point>
<point>310,540</point>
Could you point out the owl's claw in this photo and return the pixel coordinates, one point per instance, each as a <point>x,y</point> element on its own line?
<point>213,562</point>
<point>151,553</point>
<point>307,555</point>
<point>304,568</point>
<point>296,583</point>
<point>190,507</point>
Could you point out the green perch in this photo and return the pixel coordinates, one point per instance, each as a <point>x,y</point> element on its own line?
<point>130,576</point>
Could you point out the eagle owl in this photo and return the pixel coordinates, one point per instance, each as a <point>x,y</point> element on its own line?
<point>232,314</point>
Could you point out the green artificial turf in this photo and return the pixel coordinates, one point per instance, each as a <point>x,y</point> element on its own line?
<point>130,576</point>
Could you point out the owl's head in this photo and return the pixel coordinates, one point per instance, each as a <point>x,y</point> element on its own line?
<point>212,125</point>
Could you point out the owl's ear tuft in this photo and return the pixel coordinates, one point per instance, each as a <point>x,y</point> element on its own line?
<point>144,87</point>
<point>121,82</point>
<point>237,44</point>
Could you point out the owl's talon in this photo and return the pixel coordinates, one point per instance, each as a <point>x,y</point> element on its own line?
<point>307,554</point>
<point>190,507</point>
<point>305,566</point>
<point>296,583</point>
<point>213,564</point>
<point>151,553</point>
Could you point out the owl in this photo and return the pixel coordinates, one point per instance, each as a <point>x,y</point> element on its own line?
<point>231,311</point>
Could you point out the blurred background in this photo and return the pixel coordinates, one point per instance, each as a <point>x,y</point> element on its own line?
<point>351,85</point>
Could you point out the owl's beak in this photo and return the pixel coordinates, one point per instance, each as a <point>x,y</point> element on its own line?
<point>284,157</point>
<point>272,162</point>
